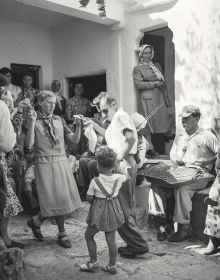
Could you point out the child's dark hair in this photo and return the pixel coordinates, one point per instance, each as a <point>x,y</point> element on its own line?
<point>106,157</point>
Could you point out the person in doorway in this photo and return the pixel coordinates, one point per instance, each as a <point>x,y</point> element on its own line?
<point>121,137</point>
<point>9,204</point>
<point>27,90</point>
<point>9,87</point>
<point>105,213</point>
<point>150,82</point>
<point>78,104</point>
<point>57,89</point>
<point>56,187</point>
<point>194,146</point>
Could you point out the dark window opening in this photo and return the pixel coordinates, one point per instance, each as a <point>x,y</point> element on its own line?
<point>18,70</point>
<point>93,85</point>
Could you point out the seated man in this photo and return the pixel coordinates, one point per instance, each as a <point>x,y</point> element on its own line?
<point>194,146</point>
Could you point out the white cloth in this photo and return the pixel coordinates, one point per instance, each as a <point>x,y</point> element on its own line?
<point>143,147</point>
<point>29,174</point>
<point>108,183</point>
<point>92,137</point>
<point>114,134</point>
<point>74,163</point>
<point>7,134</point>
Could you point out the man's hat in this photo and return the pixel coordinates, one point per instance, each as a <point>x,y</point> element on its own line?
<point>189,110</point>
<point>139,121</point>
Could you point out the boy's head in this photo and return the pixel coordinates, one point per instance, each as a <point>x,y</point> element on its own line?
<point>106,157</point>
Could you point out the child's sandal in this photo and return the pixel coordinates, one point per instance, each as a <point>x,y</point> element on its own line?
<point>110,269</point>
<point>90,267</point>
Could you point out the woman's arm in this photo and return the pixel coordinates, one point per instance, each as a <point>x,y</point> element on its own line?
<point>29,138</point>
<point>74,138</point>
<point>139,80</point>
<point>69,116</point>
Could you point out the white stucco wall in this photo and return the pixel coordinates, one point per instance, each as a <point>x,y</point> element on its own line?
<point>83,48</point>
<point>26,44</point>
<point>196,27</point>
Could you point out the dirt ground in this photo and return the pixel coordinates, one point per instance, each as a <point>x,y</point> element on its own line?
<point>165,261</point>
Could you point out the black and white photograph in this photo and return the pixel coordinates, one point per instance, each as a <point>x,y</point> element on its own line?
<point>109,139</point>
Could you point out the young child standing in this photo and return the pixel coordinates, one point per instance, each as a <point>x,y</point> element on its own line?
<point>105,213</point>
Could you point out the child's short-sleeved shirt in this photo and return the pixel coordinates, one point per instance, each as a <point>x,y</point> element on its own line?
<point>108,183</point>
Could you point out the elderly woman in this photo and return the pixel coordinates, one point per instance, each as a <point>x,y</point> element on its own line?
<point>56,187</point>
<point>149,80</point>
<point>121,137</point>
<point>57,89</point>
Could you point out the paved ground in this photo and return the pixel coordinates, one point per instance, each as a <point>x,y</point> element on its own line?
<point>165,261</point>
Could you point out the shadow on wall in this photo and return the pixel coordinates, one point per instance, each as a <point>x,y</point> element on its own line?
<point>198,66</point>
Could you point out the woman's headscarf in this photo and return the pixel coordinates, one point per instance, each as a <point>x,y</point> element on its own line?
<point>59,93</point>
<point>61,86</point>
<point>157,72</point>
<point>47,120</point>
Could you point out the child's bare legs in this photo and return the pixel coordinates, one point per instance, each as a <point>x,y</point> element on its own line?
<point>112,246</point>
<point>91,244</point>
<point>211,247</point>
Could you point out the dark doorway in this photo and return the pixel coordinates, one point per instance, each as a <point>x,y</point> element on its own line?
<point>164,53</point>
<point>18,71</point>
<point>93,85</point>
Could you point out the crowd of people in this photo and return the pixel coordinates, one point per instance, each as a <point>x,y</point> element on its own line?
<point>54,154</point>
